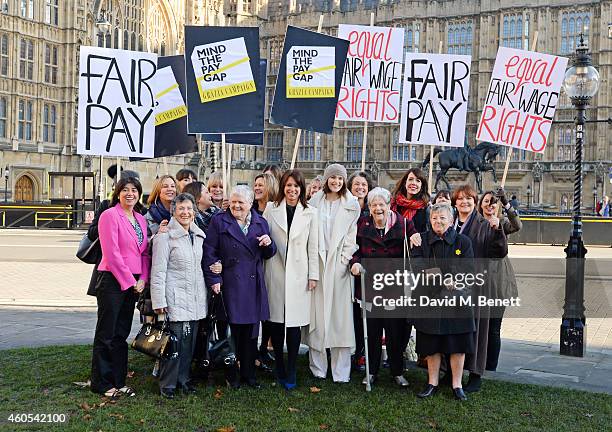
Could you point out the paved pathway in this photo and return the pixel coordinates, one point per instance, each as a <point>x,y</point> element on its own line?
<point>43,302</point>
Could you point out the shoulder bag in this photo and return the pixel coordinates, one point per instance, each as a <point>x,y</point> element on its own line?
<point>89,251</point>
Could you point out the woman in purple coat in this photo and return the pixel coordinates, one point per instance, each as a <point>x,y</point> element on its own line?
<point>240,239</point>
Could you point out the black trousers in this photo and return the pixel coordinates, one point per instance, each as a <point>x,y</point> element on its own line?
<point>246,349</point>
<point>494,341</point>
<point>293,338</point>
<point>109,361</point>
<point>266,334</point>
<point>395,329</point>
<point>358,327</point>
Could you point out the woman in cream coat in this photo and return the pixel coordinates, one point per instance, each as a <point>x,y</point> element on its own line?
<point>292,273</point>
<point>331,323</point>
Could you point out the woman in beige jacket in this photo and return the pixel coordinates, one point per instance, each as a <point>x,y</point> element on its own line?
<point>331,323</point>
<point>292,273</point>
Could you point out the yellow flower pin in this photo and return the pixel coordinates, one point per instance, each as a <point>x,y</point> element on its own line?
<point>457,251</point>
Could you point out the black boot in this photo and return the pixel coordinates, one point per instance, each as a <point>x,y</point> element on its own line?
<point>474,383</point>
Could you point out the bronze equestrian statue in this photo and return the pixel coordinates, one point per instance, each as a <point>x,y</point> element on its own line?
<point>476,160</point>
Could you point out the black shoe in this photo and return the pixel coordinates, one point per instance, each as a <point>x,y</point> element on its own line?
<point>401,381</point>
<point>188,389</point>
<point>233,384</point>
<point>254,384</point>
<point>167,393</point>
<point>373,378</point>
<point>474,383</point>
<point>266,357</point>
<point>459,394</point>
<point>429,391</point>
<point>264,367</point>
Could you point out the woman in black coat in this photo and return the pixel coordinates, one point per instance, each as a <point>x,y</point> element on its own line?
<point>489,242</point>
<point>444,329</point>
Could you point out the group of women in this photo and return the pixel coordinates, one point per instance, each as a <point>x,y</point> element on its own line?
<point>285,259</point>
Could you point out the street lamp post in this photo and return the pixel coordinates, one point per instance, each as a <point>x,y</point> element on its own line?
<point>595,198</point>
<point>6,178</point>
<point>104,27</point>
<point>581,83</point>
<point>528,196</point>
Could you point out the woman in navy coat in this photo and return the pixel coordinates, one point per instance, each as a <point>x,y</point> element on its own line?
<point>240,239</point>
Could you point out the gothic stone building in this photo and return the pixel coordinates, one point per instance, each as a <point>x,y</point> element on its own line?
<point>40,39</point>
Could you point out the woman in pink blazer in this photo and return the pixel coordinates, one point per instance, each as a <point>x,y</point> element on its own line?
<point>122,274</point>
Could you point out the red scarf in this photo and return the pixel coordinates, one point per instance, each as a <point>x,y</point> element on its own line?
<point>406,207</point>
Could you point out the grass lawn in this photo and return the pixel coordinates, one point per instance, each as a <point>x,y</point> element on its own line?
<point>40,381</point>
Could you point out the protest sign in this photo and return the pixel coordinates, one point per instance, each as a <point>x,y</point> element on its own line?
<point>521,99</point>
<point>434,102</point>
<point>222,69</point>
<point>310,72</point>
<point>116,102</point>
<point>372,76</point>
<point>171,136</point>
<point>246,138</point>
<point>306,101</point>
<point>170,104</point>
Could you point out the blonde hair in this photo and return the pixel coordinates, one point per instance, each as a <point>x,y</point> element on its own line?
<point>270,186</point>
<point>215,178</point>
<point>157,186</point>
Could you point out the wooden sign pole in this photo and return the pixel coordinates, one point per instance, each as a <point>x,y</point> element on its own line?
<point>534,45</point>
<point>223,164</point>
<point>229,164</point>
<point>299,131</point>
<point>431,148</point>
<point>365,125</point>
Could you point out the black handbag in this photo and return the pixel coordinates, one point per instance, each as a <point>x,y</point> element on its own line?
<point>155,340</point>
<point>219,350</point>
<point>89,251</point>
<point>144,304</point>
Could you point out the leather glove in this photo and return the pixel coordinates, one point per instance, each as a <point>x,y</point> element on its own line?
<point>501,195</point>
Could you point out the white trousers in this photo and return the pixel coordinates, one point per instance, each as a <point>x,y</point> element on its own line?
<point>340,363</point>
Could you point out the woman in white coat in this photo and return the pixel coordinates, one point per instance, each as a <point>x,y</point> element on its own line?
<point>331,323</point>
<point>292,273</point>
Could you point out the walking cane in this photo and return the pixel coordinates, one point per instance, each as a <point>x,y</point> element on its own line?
<point>365,327</point>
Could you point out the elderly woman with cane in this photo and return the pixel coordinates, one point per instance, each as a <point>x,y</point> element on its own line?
<point>382,234</point>
<point>240,240</point>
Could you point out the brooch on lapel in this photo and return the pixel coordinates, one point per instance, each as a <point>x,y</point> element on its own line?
<point>457,251</point>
